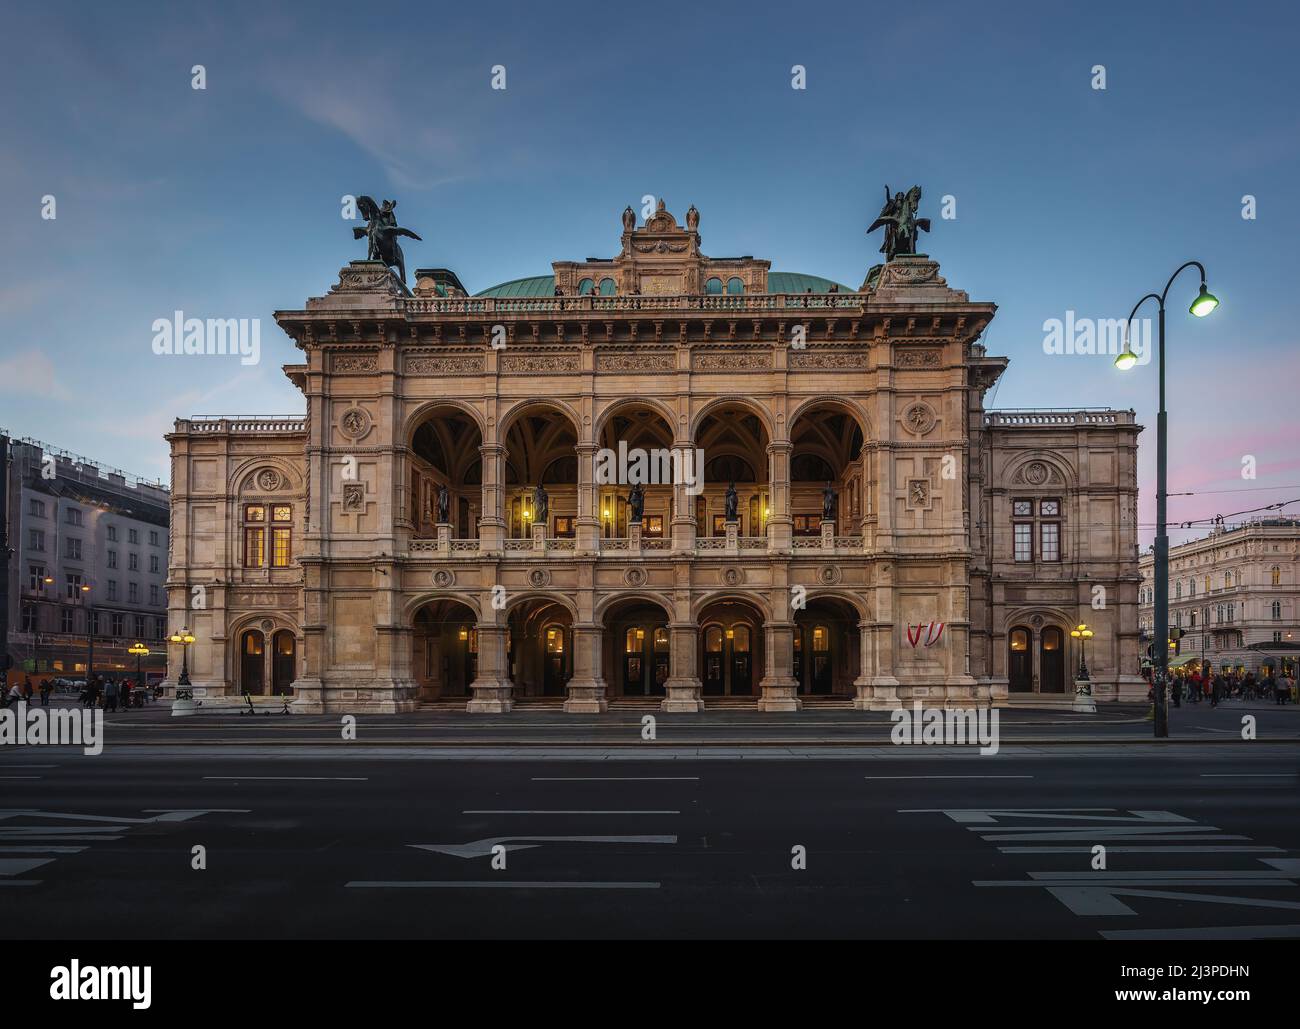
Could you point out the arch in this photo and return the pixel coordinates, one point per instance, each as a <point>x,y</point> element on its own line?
<point>522,597</point>
<point>662,409</point>
<point>841,403</point>
<point>760,411</point>
<point>604,607</point>
<point>420,599</point>
<point>507,419</point>
<point>285,466</point>
<point>755,600</point>
<point>1053,461</point>
<point>854,600</point>
<point>422,413</point>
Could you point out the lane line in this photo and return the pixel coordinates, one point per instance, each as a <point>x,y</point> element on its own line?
<point>947,777</point>
<point>536,811</point>
<point>470,884</point>
<point>616,778</point>
<point>294,778</point>
<point>8,777</point>
<point>1248,775</point>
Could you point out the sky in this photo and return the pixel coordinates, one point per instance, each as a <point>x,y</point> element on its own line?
<point>225,202</point>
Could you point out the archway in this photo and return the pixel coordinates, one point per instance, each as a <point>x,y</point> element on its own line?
<point>539,647</point>
<point>827,651</point>
<point>541,448</point>
<point>1020,658</point>
<point>826,447</point>
<point>444,451</point>
<point>638,434</point>
<point>734,440</point>
<point>638,658</point>
<point>444,649</point>
<point>731,648</point>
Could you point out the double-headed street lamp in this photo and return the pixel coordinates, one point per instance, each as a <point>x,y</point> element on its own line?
<point>1204,303</point>
<point>141,652</point>
<point>183,639</point>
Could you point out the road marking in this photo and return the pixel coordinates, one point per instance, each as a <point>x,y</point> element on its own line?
<point>294,778</point>
<point>8,765</point>
<point>14,866</point>
<point>1209,932</point>
<point>616,778</point>
<point>482,848</point>
<point>1250,775</point>
<point>490,884</point>
<point>539,811</point>
<point>1143,850</point>
<point>19,776</point>
<point>947,777</point>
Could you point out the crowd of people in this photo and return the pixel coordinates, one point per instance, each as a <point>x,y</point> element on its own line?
<point>99,691</point>
<point>1215,687</point>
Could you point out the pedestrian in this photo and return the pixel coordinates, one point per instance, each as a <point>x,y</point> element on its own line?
<point>1216,690</point>
<point>110,695</point>
<point>46,687</point>
<point>1280,693</point>
<point>126,695</point>
<point>15,693</point>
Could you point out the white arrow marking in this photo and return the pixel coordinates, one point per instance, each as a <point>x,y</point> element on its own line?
<point>482,848</point>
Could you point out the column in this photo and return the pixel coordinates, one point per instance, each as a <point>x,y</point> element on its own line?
<point>780,689</point>
<point>491,687</point>
<point>492,523</point>
<point>586,690</point>
<point>683,689</point>
<point>683,513</point>
<point>780,523</point>
<point>862,684</point>
<point>587,526</point>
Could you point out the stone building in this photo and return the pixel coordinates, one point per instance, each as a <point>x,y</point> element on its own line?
<point>392,548</point>
<point>1235,594</point>
<point>89,559</point>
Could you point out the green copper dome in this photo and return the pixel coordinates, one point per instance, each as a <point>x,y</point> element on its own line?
<point>777,282</point>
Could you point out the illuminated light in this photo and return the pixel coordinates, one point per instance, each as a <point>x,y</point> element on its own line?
<point>1204,303</point>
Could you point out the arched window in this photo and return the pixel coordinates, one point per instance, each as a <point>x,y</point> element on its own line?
<point>632,641</point>
<point>739,635</point>
<point>713,286</point>
<point>586,286</point>
<point>1191,587</point>
<point>1178,590</point>
<point>1277,576</point>
<point>607,287</point>
<point>735,286</point>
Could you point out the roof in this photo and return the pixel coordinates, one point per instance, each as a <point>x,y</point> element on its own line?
<point>777,282</point>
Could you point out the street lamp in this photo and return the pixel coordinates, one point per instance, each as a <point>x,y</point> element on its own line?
<point>1083,634</point>
<point>183,639</point>
<point>1204,303</point>
<point>141,652</point>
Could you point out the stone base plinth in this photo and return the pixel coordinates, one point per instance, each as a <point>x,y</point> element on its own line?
<point>586,696</point>
<point>879,693</point>
<point>682,695</point>
<point>780,696</point>
<point>491,697</point>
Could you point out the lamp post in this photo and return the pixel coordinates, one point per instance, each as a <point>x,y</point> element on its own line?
<point>141,652</point>
<point>1204,303</point>
<point>184,702</point>
<point>90,635</point>
<point>1083,634</point>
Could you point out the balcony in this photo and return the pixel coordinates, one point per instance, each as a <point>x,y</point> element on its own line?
<point>744,302</point>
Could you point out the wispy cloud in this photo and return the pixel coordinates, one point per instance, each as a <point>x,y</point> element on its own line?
<point>30,373</point>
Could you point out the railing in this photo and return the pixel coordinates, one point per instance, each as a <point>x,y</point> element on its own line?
<point>517,545</point>
<point>806,543</point>
<point>656,544</point>
<point>241,424</point>
<point>752,542</point>
<point>672,302</point>
<point>711,543</point>
<point>848,542</point>
<point>464,546</point>
<point>1050,416</point>
<point>615,544</point>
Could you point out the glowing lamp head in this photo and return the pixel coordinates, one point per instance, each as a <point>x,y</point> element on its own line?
<point>1204,303</point>
<point>1126,359</point>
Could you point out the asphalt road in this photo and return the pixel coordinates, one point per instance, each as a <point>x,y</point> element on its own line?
<point>347,841</point>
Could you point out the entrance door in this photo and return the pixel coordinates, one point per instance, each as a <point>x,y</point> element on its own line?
<point>715,683</point>
<point>283,670</point>
<point>742,666</point>
<point>553,654</point>
<point>1052,660</point>
<point>821,659</point>
<point>659,672</point>
<point>252,647</point>
<point>1019,661</point>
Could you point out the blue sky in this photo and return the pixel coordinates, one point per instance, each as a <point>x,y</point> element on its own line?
<point>225,202</point>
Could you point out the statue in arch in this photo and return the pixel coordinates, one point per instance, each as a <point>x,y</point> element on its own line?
<point>636,502</point>
<point>444,503</point>
<point>732,502</point>
<point>828,503</point>
<point>541,503</point>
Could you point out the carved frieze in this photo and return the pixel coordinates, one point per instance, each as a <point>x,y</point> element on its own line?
<point>539,364</point>
<point>653,361</point>
<point>355,363</point>
<point>918,358</point>
<point>835,360</point>
<point>733,361</point>
<point>450,364</point>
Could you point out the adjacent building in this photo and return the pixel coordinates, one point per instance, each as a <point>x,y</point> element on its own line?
<point>88,563</point>
<point>453,517</point>
<point>1235,595</point>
